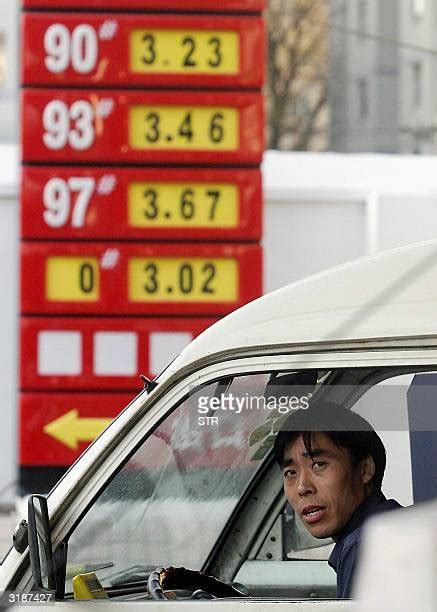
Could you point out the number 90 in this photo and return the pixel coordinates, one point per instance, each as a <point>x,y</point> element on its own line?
<point>80,48</point>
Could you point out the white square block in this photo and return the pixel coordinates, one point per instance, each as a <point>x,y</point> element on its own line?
<point>164,347</point>
<point>115,354</point>
<point>59,353</point>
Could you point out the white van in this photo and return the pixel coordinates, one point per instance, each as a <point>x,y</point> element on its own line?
<point>185,477</point>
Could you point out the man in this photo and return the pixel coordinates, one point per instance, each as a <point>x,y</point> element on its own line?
<point>333,463</point>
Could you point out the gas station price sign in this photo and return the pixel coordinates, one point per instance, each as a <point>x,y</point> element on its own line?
<point>141,199</point>
<point>56,428</point>
<point>138,279</point>
<point>219,6</point>
<point>84,353</point>
<point>140,204</point>
<point>172,127</point>
<point>149,50</point>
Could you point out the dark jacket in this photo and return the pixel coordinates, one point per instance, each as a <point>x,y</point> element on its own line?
<point>345,552</point>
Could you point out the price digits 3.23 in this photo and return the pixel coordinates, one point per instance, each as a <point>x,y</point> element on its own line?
<point>189,51</point>
<point>177,51</point>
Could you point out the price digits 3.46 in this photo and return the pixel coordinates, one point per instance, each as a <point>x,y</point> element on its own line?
<point>185,130</point>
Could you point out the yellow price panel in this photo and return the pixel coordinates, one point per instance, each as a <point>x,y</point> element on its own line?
<point>176,279</point>
<point>183,205</point>
<point>72,279</point>
<point>178,127</point>
<point>186,52</point>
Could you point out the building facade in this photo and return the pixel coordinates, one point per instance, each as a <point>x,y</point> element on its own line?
<point>383,65</point>
<point>8,70</point>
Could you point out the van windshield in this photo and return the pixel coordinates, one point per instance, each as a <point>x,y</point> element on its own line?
<point>174,499</point>
<point>184,480</point>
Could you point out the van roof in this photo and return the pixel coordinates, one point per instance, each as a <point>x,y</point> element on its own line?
<point>391,294</point>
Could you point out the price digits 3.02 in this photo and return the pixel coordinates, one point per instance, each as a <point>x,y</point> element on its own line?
<point>187,281</point>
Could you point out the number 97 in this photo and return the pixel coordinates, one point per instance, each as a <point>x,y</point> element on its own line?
<point>58,196</point>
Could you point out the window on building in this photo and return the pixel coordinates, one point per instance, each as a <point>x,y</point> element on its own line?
<point>362,17</point>
<point>339,9</point>
<point>363,98</point>
<point>2,59</point>
<point>418,8</point>
<point>416,70</point>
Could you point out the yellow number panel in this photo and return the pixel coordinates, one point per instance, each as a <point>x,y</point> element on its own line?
<point>177,127</point>
<point>183,280</point>
<point>180,51</point>
<point>72,279</point>
<point>183,205</point>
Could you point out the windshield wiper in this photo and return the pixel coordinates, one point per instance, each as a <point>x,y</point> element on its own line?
<point>149,384</point>
<point>136,573</point>
<point>74,570</point>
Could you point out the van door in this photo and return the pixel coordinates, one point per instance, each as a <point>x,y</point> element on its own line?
<point>190,484</point>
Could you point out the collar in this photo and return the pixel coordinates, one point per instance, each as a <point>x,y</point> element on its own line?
<point>365,509</point>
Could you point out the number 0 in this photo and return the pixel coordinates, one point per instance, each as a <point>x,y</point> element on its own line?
<point>86,277</point>
<point>84,49</point>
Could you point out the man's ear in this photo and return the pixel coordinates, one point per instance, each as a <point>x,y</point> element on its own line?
<point>367,469</point>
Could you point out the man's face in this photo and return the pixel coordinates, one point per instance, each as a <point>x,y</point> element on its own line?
<point>324,490</point>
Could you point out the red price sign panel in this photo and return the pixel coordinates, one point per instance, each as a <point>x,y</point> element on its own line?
<point>111,126</point>
<point>222,6</point>
<point>94,353</point>
<point>56,428</point>
<point>146,50</point>
<point>141,204</point>
<point>114,279</point>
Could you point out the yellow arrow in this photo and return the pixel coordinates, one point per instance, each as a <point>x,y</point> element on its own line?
<point>70,429</point>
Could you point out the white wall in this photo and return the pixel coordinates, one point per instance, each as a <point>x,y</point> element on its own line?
<point>8,321</point>
<point>324,209</point>
<point>8,93</point>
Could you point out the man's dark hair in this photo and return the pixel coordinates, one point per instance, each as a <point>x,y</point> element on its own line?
<point>345,428</point>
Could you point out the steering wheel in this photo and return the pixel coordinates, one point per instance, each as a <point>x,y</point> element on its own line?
<point>203,587</point>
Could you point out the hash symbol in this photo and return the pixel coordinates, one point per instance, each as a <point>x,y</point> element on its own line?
<point>107,184</point>
<point>108,29</point>
<point>110,259</point>
<point>105,107</point>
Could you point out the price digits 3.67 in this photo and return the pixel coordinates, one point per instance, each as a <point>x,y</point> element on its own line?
<point>187,205</point>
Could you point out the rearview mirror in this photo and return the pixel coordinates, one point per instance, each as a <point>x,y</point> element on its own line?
<point>40,543</point>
